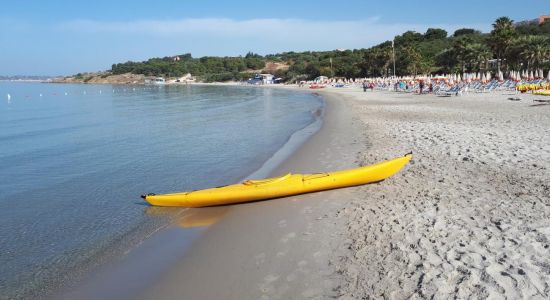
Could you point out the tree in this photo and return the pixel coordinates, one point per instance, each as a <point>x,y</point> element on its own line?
<point>413,59</point>
<point>446,60</point>
<point>536,51</point>
<point>382,58</point>
<point>435,34</point>
<point>465,31</point>
<point>502,36</point>
<point>462,51</point>
<point>408,38</point>
<point>312,70</point>
<point>479,55</point>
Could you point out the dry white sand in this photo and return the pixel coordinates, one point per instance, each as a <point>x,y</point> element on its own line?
<point>468,218</point>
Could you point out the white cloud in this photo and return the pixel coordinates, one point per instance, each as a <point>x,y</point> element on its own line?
<point>279,34</point>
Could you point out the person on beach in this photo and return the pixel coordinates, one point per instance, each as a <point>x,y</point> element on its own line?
<point>431,88</point>
<point>364,86</point>
<point>421,86</point>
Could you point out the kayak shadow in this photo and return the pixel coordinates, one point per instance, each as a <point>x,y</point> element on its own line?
<point>190,217</point>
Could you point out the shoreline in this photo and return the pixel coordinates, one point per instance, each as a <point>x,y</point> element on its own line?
<point>271,242</point>
<point>469,216</point>
<point>179,232</point>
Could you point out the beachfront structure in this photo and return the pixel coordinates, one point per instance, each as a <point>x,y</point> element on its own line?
<point>544,19</point>
<point>267,78</point>
<point>262,79</point>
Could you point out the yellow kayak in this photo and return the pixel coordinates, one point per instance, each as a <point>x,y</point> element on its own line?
<point>287,185</point>
<point>542,92</point>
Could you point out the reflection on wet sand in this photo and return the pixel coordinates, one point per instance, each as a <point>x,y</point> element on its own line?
<point>192,217</point>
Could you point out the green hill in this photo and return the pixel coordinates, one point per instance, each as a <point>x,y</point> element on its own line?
<point>516,46</point>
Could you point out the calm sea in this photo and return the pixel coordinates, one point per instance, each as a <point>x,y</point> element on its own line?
<point>75,158</point>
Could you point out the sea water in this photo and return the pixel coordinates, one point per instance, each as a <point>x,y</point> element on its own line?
<point>75,158</point>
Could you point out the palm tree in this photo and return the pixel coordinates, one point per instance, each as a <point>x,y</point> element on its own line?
<point>536,51</point>
<point>502,36</point>
<point>461,50</point>
<point>479,55</point>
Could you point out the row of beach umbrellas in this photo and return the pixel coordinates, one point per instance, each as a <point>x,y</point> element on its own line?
<point>464,77</point>
<point>529,75</point>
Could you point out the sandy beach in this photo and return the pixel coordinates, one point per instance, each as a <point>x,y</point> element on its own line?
<point>467,218</point>
<point>470,217</point>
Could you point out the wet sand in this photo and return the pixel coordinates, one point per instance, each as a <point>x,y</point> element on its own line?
<point>276,249</point>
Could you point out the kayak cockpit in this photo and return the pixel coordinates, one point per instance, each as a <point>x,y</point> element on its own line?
<point>267,180</point>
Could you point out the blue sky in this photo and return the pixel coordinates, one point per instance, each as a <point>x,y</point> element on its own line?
<point>66,37</point>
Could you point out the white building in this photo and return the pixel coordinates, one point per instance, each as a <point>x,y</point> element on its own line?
<point>267,78</point>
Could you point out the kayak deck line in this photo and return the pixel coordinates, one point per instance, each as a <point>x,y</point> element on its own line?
<point>282,186</point>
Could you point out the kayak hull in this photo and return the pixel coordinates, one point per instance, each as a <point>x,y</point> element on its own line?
<point>287,185</point>
<point>542,92</point>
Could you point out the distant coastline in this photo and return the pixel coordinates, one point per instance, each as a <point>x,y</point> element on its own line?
<point>101,78</point>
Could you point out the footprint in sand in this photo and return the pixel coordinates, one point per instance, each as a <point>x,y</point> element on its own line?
<point>259,259</point>
<point>288,237</point>
<point>281,253</point>
<point>266,286</point>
